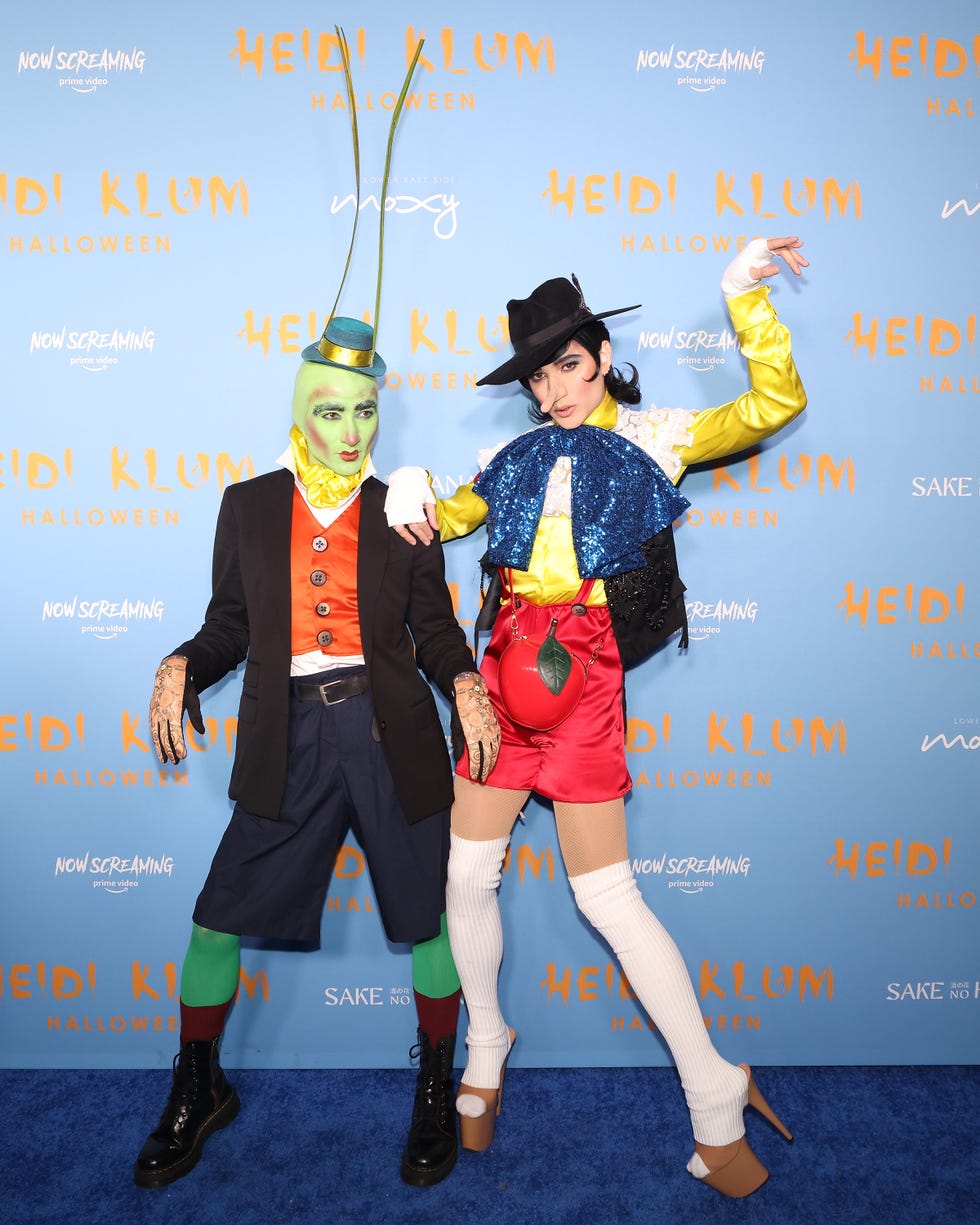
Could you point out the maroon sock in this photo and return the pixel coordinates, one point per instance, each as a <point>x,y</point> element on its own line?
<point>438,1017</point>
<point>203,1023</point>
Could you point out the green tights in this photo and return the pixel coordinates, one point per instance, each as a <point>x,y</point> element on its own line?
<point>213,962</point>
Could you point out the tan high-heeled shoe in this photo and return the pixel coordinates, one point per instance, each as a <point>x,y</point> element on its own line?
<point>476,1134</point>
<point>735,1170</point>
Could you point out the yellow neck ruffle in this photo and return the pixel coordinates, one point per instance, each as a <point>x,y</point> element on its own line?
<point>324,487</point>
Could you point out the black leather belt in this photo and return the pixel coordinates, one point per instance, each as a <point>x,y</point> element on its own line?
<point>332,692</point>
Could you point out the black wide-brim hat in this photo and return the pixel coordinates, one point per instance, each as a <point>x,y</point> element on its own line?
<point>541,323</point>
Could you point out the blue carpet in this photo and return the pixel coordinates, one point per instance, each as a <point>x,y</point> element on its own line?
<point>890,1145</point>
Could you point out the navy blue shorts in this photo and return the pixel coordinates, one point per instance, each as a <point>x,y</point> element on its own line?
<point>269,878</point>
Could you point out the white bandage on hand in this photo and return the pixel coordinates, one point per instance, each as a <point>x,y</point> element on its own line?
<point>409,492</point>
<point>737,278</point>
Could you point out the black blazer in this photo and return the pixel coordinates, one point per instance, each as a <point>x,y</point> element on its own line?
<point>401,595</point>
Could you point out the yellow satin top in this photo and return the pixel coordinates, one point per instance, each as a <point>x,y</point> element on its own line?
<point>774,398</point>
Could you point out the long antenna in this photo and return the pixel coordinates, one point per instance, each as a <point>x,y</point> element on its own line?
<point>345,60</point>
<point>384,182</point>
<point>351,106</point>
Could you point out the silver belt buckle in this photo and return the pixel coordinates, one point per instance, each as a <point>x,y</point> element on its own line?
<point>324,697</point>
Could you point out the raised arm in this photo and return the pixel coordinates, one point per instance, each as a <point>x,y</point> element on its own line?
<point>775,394</point>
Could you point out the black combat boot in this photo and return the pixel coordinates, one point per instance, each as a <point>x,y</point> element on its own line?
<point>430,1151</point>
<point>201,1100</point>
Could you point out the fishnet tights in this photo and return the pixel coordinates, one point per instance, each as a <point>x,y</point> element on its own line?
<point>591,836</point>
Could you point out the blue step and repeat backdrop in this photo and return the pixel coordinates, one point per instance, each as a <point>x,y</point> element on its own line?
<point>176,193</point>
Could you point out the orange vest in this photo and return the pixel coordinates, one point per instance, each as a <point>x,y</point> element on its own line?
<point>323,582</point>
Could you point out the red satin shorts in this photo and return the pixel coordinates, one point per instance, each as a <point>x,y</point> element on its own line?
<point>583,759</point>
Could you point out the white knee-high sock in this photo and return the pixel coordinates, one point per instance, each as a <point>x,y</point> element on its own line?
<point>477,940</point>
<point>716,1090</point>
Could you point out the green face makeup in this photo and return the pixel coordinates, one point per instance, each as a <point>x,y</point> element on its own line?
<point>337,413</point>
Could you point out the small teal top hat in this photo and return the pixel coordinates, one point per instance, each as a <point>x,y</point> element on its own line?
<point>348,344</point>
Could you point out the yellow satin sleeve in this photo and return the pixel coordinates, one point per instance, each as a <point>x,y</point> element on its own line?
<point>461,514</point>
<point>775,396</point>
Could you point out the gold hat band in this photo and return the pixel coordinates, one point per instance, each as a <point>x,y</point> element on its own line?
<point>344,357</point>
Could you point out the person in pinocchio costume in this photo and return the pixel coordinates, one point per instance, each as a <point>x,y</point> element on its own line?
<point>579,514</point>
<point>336,620</point>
